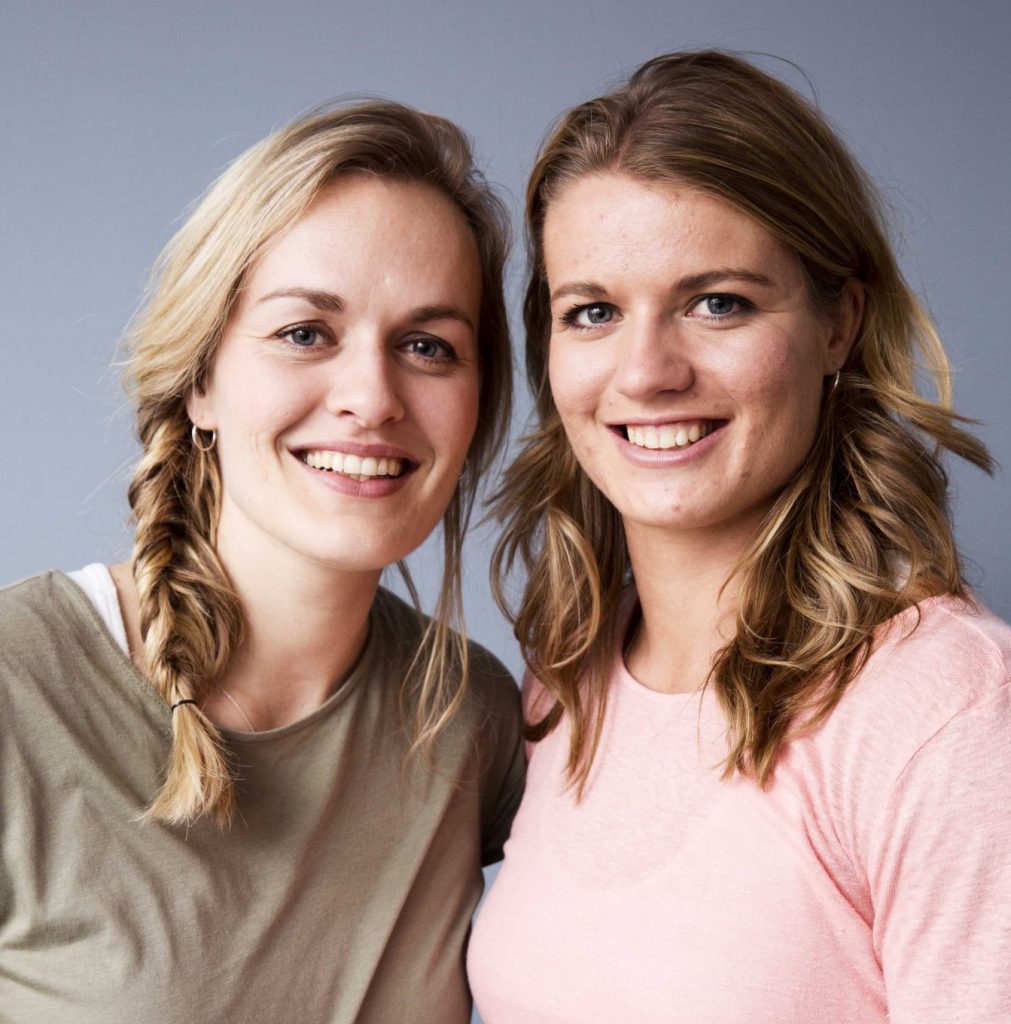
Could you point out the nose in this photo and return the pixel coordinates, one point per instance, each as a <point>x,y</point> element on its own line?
<point>654,358</point>
<point>364,384</point>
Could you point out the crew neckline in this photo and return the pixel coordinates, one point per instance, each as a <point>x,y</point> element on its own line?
<point>632,685</point>
<point>126,665</point>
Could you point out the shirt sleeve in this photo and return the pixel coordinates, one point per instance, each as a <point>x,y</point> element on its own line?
<point>506,774</point>
<point>940,874</point>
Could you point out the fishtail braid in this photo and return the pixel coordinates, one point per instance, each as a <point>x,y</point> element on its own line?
<point>190,618</point>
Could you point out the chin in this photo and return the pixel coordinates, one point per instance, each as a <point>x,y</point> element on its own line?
<point>368,557</point>
<point>679,519</point>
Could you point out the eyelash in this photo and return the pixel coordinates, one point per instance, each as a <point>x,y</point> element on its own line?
<point>570,318</point>
<point>291,346</point>
<point>446,352</point>
<point>742,304</point>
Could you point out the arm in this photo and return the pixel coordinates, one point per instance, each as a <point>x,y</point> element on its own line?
<point>506,769</point>
<point>940,873</point>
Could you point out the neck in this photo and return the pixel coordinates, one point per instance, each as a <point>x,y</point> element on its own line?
<point>305,626</point>
<point>688,595</point>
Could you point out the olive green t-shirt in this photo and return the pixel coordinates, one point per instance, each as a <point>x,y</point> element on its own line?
<point>343,891</point>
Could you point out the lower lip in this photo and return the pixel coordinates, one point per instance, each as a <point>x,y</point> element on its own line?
<point>374,487</point>
<point>658,458</point>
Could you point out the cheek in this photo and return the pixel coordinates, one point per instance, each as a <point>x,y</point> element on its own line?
<point>781,399</point>
<point>257,402</point>
<point>784,378</point>
<point>577,379</point>
<point>271,388</point>
<point>449,416</point>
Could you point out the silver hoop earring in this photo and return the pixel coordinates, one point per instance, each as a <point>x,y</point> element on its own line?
<point>835,382</point>
<point>195,438</point>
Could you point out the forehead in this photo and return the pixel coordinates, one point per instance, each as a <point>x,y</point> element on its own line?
<point>619,222</point>
<point>372,233</point>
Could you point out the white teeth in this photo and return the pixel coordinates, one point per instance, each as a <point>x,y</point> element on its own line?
<point>355,466</point>
<point>666,437</point>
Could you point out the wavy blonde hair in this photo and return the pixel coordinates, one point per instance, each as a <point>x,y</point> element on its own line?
<point>820,576</point>
<point>191,620</point>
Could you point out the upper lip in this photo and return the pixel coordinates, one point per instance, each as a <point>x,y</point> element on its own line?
<point>377,451</point>
<point>663,421</point>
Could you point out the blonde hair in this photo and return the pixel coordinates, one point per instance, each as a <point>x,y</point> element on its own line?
<point>191,621</point>
<point>821,574</point>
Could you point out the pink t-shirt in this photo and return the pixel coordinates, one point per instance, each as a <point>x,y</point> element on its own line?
<point>871,882</point>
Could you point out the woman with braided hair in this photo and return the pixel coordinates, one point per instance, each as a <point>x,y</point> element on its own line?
<point>770,725</point>
<point>239,781</point>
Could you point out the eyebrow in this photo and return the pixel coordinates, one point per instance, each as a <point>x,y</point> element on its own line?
<point>587,289</point>
<point>697,282</point>
<point>426,314</point>
<point>691,283</point>
<point>331,302</point>
<point>328,302</point>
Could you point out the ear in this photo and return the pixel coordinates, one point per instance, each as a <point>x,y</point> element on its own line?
<point>200,410</point>
<point>846,323</point>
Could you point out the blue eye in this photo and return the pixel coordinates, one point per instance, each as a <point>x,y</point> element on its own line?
<point>429,349</point>
<point>425,347</point>
<point>597,314</point>
<point>302,335</point>
<point>719,306</point>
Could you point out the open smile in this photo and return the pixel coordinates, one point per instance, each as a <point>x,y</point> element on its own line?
<point>354,466</point>
<point>667,436</point>
<point>361,464</point>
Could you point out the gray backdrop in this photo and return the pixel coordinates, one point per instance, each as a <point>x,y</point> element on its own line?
<point>117,113</point>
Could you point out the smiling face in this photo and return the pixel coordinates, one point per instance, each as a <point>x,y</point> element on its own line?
<point>686,360</point>
<point>344,392</point>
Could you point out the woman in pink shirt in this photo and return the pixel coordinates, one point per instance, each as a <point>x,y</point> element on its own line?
<point>770,727</point>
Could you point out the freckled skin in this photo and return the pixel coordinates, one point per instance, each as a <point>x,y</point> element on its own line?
<point>386,249</point>
<point>659,356</point>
